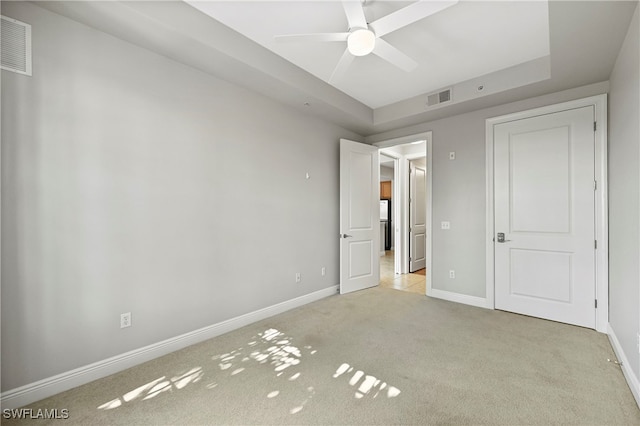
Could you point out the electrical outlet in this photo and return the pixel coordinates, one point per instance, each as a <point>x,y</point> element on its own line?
<point>298,277</point>
<point>323,271</point>
<point>125,320</point>
<point>445,225</point>
<point>452,273</point>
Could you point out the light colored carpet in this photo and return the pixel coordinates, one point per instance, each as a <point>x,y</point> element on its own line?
<point>376,356</point>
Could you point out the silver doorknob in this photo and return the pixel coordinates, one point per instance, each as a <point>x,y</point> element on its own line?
<point>346,236</point>
<point>501,238</point>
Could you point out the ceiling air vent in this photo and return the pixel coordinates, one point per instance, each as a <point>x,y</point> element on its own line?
<point>16,45</point>
<point>439,98</point>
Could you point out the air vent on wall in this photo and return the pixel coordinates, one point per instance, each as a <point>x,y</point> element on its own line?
<point>439,98</point>
<point>16,45</point>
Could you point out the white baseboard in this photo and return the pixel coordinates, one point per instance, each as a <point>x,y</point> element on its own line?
<point>47,387</point>
<point>480,302</point>
<point>631,378</point>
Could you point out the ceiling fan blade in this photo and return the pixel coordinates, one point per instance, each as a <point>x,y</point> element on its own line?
<point>342,66</point>
<point>408,15</point>
<point>394,56</point>
<point>355,14</point>
<point>315,37</point>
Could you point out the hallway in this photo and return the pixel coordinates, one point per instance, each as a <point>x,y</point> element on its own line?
<point>413,283</point>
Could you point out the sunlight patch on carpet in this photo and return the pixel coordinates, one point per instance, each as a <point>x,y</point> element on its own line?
<point>271,347</point>
<point>155,388</point>
<point>368,385</point>
<point>280,353</point>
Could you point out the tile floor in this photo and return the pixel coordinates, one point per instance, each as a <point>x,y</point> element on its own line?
<point>414,283</point>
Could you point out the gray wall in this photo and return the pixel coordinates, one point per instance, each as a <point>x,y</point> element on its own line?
<point>624,193</point>
<point>386,173</point>
<point>133,183</point>
<point>459,188</point>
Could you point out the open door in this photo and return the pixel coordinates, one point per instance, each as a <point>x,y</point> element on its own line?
<point>359,216</point>
<point>417,214</point>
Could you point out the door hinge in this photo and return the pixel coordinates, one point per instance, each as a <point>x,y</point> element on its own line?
<point>595,244</point>
<point>596,304</point>
<point>409,229</point>
<point>595,126</point>
<point>595,185</point>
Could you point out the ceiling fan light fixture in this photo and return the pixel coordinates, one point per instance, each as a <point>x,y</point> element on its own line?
<point>361,42</point>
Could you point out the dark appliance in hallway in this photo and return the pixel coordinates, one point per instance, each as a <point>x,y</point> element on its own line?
<point>385,216</point>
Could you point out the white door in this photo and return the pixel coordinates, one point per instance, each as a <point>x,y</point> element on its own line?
<point>545,207</point>
<point>417,214</point>
<point>359,216</point>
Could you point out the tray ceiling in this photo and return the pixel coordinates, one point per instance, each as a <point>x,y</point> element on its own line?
<point>462,42</point>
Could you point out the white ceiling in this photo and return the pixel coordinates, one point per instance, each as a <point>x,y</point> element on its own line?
<point>493,44</point>
<point>467,40</point>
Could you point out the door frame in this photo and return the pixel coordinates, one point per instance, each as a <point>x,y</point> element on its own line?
<point>402,172</point>
<point>599,104</point>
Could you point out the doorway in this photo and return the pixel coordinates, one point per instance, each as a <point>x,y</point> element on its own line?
<point>404,264</point>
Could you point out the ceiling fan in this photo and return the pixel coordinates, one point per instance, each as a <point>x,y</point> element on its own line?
<point>364,38</point>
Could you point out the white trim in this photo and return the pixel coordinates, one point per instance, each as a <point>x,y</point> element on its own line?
<point>489,245</point>
<point>602,215</point>
<point>404,218</point>
<point>429,230</point>
<point>401,244</point>
<point>479,302</point>
<point>599,103</point>
<point>47,387</point>
<point>403,140</point>
<point>631,378</point>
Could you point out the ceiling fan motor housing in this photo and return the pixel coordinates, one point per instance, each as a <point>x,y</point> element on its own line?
<point>361,42</point>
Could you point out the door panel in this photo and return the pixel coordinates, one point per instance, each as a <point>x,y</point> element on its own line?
<point>418,254</point>
<point>360,253</point>
<point>540,176</point>
<point>545,206</point>
<point>417,215</point>
<point>553,282</point>
<point>359,220</point>
<point>360,191</point>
